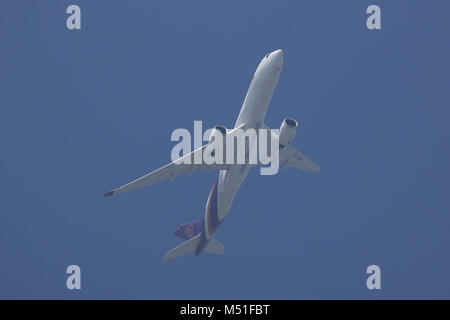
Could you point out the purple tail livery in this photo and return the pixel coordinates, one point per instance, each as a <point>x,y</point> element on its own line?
<point>189,230</point>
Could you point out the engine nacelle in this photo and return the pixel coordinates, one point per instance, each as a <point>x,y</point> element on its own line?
<point>218,130</point>
<point>287,131</point>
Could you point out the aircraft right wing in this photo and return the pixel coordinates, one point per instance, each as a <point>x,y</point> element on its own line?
<point>170,171</point>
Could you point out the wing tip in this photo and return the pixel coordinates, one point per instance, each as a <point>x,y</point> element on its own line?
<point>108,194</point>
<point>166,257</point>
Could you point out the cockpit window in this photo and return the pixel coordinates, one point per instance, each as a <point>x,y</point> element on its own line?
<point>267,55</point>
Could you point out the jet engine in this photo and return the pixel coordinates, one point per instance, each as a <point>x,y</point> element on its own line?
<point>287,131</point>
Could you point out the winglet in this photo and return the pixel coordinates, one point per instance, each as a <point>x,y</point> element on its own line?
<point>110,193</point>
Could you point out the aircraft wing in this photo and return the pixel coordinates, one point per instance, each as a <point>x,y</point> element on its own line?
<point>170,171</point>
<point>290,157</point>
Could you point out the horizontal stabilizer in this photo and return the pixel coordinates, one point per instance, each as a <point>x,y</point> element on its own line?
<point>214,246</point>
<point>183,249</point>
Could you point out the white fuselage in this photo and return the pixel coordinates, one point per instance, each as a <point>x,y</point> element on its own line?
<point>252,115</point>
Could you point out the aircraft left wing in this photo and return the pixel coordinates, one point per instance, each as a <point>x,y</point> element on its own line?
<point>170,171</point>
<point>290,157</point>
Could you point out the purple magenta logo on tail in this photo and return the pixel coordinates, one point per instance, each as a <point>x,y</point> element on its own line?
<point>189,230</point>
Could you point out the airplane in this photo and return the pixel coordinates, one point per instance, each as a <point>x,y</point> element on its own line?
<point>199,235</point>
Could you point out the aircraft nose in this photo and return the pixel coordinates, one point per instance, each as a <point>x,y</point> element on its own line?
<point>278,52</point>
<point>278,57</point>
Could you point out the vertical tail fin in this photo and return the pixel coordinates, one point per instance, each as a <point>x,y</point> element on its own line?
<point>189,230</point>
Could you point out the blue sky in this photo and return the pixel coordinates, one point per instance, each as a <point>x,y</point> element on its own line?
<point>82,112</point>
